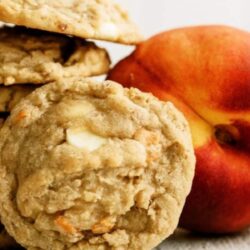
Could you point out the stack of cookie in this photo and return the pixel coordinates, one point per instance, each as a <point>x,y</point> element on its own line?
<point>48,43</point>
<point>32,57</point>
<point>84,165</point>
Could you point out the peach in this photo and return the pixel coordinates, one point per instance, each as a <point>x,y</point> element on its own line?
<point>205,72</point>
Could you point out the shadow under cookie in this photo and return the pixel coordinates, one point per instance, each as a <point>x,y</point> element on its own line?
<point>6,241</point>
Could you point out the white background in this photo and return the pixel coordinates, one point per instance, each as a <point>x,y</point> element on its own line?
<point>154,16</point>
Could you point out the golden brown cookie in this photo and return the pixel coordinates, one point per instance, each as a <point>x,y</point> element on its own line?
<point>38,57</point>
<point>95,19</point>
<point>93,166</point>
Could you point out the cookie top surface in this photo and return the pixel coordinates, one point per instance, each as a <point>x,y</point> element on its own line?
<point>91,19</point>
<point>11,95</point>
<point>89,165</point>
<point>37,57</point>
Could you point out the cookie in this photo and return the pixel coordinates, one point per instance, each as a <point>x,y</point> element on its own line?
<point>38,57</point>
<point>95,19</point>
<point>93,166</point>
<point>11,95</point>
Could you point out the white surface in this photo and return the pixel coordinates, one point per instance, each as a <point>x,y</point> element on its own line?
<point>153,16</point>
<point>157,15</point>
<point>182,240</point>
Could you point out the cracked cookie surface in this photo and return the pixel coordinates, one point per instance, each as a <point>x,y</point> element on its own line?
<point>93,166</point>
<point>38,57</point>
<point>91,19</point>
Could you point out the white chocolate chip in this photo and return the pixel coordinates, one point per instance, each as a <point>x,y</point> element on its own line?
<point>84,139</point>
<point>109,29</point>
